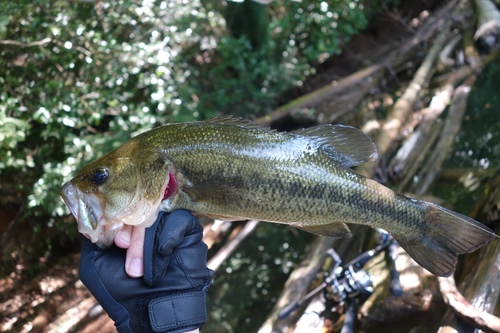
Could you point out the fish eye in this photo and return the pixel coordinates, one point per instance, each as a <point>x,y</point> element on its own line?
<point>99,176</point>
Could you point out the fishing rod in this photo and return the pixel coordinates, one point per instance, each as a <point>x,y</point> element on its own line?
<point>351,281</point>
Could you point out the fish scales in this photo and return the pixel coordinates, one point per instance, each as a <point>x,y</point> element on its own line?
<point>313,189</point>
<point>231,169</point>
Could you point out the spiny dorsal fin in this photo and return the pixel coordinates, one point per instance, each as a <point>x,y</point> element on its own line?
<point>237,121</point>
<point>347,145</point>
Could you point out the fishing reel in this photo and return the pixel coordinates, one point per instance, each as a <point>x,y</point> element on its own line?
<point>347,283</point>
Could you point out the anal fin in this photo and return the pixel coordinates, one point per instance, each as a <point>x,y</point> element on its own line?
<point>335,230</point>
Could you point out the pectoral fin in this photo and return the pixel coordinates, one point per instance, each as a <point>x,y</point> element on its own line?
<point>335,230</point>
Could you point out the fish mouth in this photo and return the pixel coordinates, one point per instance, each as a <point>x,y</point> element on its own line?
<point>88,213</point>
<point>99,224</point>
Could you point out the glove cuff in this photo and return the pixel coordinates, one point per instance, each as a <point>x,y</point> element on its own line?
<point>177,312</point>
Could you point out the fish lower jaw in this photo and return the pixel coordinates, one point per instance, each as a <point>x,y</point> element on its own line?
<point>141,214</point>
<point>97,235</point>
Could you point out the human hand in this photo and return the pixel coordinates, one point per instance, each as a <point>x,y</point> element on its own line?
<point>171,295</point>
<point>132,239</point>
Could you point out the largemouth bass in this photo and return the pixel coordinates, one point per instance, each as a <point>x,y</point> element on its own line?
<point>228,168</point>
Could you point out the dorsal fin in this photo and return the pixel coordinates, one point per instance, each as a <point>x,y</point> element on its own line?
<point>347,145</point>
<point>237,121</point>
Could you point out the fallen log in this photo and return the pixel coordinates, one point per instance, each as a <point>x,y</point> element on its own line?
<point>418,145</point>
<point>383,307</point>
<point>476,298</point>
<point>456,174</point>
<point>332,91</point>
<point>366,116</point>
<point>362,80</point>
<point>451,127</point>
<point>488,25</point>
<point>445,59</point>
<point>296,286</point>
<point>331,109</point>
<point>413,151</point>
<point>484,199</point>
<point>470,51</point>
<point>467,311</point>
<point>403,108</point>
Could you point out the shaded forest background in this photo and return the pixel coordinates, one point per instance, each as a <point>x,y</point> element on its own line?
<point>79,78</point>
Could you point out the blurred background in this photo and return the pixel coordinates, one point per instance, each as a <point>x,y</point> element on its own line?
<point>80,77</point>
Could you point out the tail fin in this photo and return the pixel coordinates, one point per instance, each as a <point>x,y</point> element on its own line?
<point>447,234</point>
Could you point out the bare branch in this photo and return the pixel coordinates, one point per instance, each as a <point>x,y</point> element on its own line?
<point>230,246</point>
<point>464,309</point>
<point>14,42</point>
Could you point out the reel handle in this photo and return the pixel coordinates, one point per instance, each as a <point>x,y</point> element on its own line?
<point>395,284</point>
<point>350,316</point>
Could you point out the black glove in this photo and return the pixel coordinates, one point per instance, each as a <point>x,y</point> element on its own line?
<point>171,296</point>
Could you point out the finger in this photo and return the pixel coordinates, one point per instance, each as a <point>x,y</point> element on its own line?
<point>135,254</point>
<point>123,236</point>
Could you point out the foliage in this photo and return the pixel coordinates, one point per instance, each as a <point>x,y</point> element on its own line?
<point>81,77</point>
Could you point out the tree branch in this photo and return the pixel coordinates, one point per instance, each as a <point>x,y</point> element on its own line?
<point>14,42</point>
<point>452,297</point>
<point>230,246</point>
